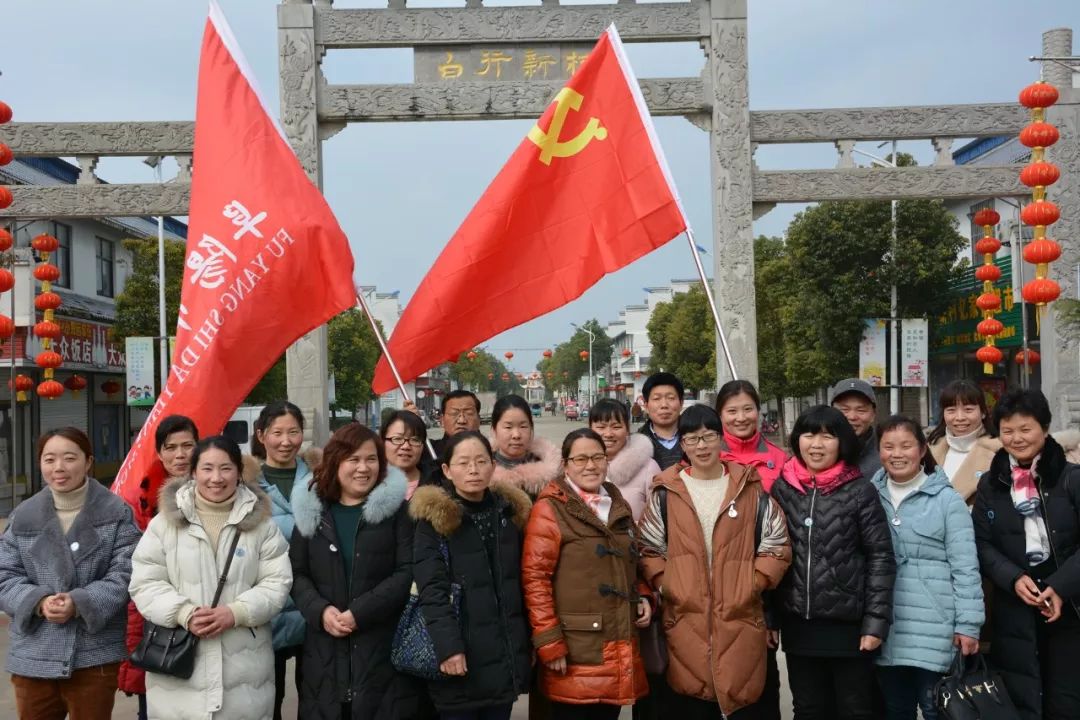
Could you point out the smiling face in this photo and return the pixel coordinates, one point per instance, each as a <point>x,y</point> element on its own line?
<point>470,469</point>
<point>962,419</point>
<point>216,475</point>
<point>901,454</point>
<point>614,433</point>
<point>175,453</point>
<point>586,465</point>
<point>1022,437</point>
<point>513,434</point>
<point>819,450</point>
<point>64,465</point>
<point>282,439</point>
<point>358,474</point>
<point>858,410</point>
<point>740,416</point>
<point>403,449</point>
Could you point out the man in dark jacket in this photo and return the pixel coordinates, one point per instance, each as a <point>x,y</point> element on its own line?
<point>663,393</point>
<point>856,400</point>
<point>459,411</point>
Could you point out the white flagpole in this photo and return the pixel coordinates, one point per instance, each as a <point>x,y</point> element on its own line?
<point>362,304</point>
<point>712,303</point>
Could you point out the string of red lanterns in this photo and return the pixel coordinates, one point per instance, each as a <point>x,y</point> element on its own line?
<point>989,301</point>
<point>7,282</point>
<point>47,330</point>
<point>1040,212</point>
<point>6,156</point>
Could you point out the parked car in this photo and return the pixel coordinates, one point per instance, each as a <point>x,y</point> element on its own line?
<point>571,412</point>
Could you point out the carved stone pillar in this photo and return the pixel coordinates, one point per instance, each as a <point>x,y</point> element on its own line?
<point>1061,360</point>
<point>298,64</point>
<point>731,162</point>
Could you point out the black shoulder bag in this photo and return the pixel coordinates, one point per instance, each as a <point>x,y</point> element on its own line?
<point>171,651</point>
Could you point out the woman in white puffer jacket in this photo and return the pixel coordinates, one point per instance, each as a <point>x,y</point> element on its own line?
<point>175,571</point>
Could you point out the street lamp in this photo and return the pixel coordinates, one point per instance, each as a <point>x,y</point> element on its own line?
<point>156,162</point>
<point>894,371</point>
<point>591,336</point>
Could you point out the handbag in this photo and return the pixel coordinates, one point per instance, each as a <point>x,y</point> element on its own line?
<point>652,643</point>
<point>972,691</point>
<point>413,651</point>
<point>171,651</point>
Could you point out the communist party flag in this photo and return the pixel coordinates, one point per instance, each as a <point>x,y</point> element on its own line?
<point>266,260</point>
<point>586,192</point>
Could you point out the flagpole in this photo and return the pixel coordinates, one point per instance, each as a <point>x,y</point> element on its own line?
<point>362,304</point>
<point>712,303</point>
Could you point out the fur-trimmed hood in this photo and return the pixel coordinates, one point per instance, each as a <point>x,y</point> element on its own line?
<point>439,507</point>
<point>177,503</point>
<point>381,503</point>
<point>1069,440</point>
<point>629,461</point>
<point>252,470</point>
<point>532,476</point>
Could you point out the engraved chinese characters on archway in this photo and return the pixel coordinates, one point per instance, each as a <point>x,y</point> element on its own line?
<point>84,345</point>
<point>490,63</point>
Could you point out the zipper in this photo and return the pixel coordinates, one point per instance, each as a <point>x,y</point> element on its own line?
<point>809,542</point>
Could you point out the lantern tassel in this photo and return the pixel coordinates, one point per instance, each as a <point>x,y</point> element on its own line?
<point>988,369</point>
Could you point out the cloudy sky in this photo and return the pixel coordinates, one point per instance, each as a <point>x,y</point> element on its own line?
<point>400,190</point>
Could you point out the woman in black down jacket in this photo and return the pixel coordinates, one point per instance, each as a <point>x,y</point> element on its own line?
<point>485,654</point>
<point>835,603</point>
<point>351,555</point>
<point>1027,530</point>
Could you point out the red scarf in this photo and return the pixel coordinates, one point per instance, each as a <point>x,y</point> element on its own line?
<point>802,479</point>
<point>756,452</point>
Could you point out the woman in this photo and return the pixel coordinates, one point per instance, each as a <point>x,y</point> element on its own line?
<point>960,443</point>
<point>1027,529</point>
<point>404,440</point>
<point>469,535</point>
<point>937,600</point>
<point>175,572</point>
<point>351,556</point>
<point>278,468</point>
<point>175,438</point>
<point>630,464</point>
<point>585,601</point>
<point>712,543</point>
<point>522,459</point>
<point>739,408</point>
<point>65,561</point>
<point>835,605</point>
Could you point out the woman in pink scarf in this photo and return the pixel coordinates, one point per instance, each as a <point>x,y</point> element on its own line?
<point>739,408</point>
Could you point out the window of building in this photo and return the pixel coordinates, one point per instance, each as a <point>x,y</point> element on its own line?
<point>105,266</point>
<point>62,257</point>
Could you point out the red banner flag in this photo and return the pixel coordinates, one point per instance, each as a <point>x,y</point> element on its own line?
<point>587,192</point>
<point>266,260</point>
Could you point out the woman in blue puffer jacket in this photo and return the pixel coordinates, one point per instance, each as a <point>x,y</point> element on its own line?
<point>937,599</point>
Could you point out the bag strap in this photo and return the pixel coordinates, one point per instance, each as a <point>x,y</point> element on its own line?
<point>225,571</point>
<point>759,521</point>
<point>661,493</point>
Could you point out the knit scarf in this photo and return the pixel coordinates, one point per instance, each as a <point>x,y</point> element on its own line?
<point>802,478</point>
<point>746,452</point>
<point>1026,500</point>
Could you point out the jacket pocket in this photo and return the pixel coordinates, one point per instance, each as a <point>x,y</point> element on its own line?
<point>584,633</point>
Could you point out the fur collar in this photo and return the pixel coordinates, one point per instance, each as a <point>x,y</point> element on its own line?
<point>177,503</point>
<point>532,476</point>
<point>1051,465</point>
<point>629,461</point>
<point>383,501</point>
<point>252,470</point>
<point>439,507</point>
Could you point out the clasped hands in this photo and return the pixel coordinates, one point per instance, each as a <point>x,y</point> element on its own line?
<point>58,608</point>
<point>338,624</point>
<point>211,622</point>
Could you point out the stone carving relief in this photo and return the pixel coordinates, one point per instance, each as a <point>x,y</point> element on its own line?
<point>960,181</point>
<point>98,138</point>
<point>299,72</point>
<point>55,201</point>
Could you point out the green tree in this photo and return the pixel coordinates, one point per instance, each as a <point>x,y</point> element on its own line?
<point>683,339</point>
<point>353,352</point>
<point>567,366</point>
<point>474,374</point>
<point>772,274</point>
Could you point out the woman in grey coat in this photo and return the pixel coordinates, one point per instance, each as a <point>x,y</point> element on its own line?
<point>65,562</point>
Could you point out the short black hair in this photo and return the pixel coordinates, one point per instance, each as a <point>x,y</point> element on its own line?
<point>734,388</point>
<point>218,442</point>
<point>902,422</point>
<point>412,422</point>
<point>454,440</point>
<point>456,394</point>
<point>579,434</point>
<point>174,424</point>
<point>1023,402</point>
<point>507,403</point>
<point>699,416</point>
<point>607,410</point>
<point>825,418</point>
<point>662,378</point>
<point>959,392</point>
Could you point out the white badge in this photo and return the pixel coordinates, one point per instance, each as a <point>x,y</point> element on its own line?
<point>75,546</point>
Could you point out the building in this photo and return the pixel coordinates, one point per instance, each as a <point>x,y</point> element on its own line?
<point>94,267</point>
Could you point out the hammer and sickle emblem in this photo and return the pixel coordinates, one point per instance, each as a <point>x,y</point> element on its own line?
<point>549,143</point>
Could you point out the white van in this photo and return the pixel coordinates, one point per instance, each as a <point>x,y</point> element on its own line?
<point>241,426</point>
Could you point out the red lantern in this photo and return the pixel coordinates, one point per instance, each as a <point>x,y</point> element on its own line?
<point>491,376</point>
<point>1041,291</point>
<point>5,112</point>
<point>1032,357</point>
<point>23,385</point>
<point>1043,250</point>
<point>471,356</point>
<point>547,353</point>
<point>76,384</point>
<point>1040,174</point>
<point>46,329</point>
<point>7,327</point>
<point>1040,212</point>
<point>989,355</point>
<point>6,241</point>
<point>6,156</point>
<point>505,376</point>
<point>988,301</point>
<point>990,326</point>
<point>47,273</point>
<point>47,301</point>
<point>111,387</point>
<point>508,355</point>
<point>1038,95</point>
<point>550,375</point>
<point>1039,135</point>
<point>49,359</point>
<point>45,243</point>
<point>584,354</point>
<point>50,389</point>
<point>626,352</point>
<point>5,197</point>
<point>988,273</point>
<point>7,280</point>
<point>987,245</point>
<point>987,216</point>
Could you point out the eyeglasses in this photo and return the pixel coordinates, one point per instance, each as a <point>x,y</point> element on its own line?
<point>709,436</point>
<point>399,440</point>
<point>479,464</point>
<point>580,461</point>
<point>455,414</point>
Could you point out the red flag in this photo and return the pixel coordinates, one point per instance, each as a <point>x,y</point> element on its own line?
<point>585,197</point>
<point>266,260</point>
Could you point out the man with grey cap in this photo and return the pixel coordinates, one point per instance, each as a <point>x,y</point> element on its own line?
<point>855,399</point>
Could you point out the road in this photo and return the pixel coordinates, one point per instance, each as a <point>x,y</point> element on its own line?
<point>553,429</point>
